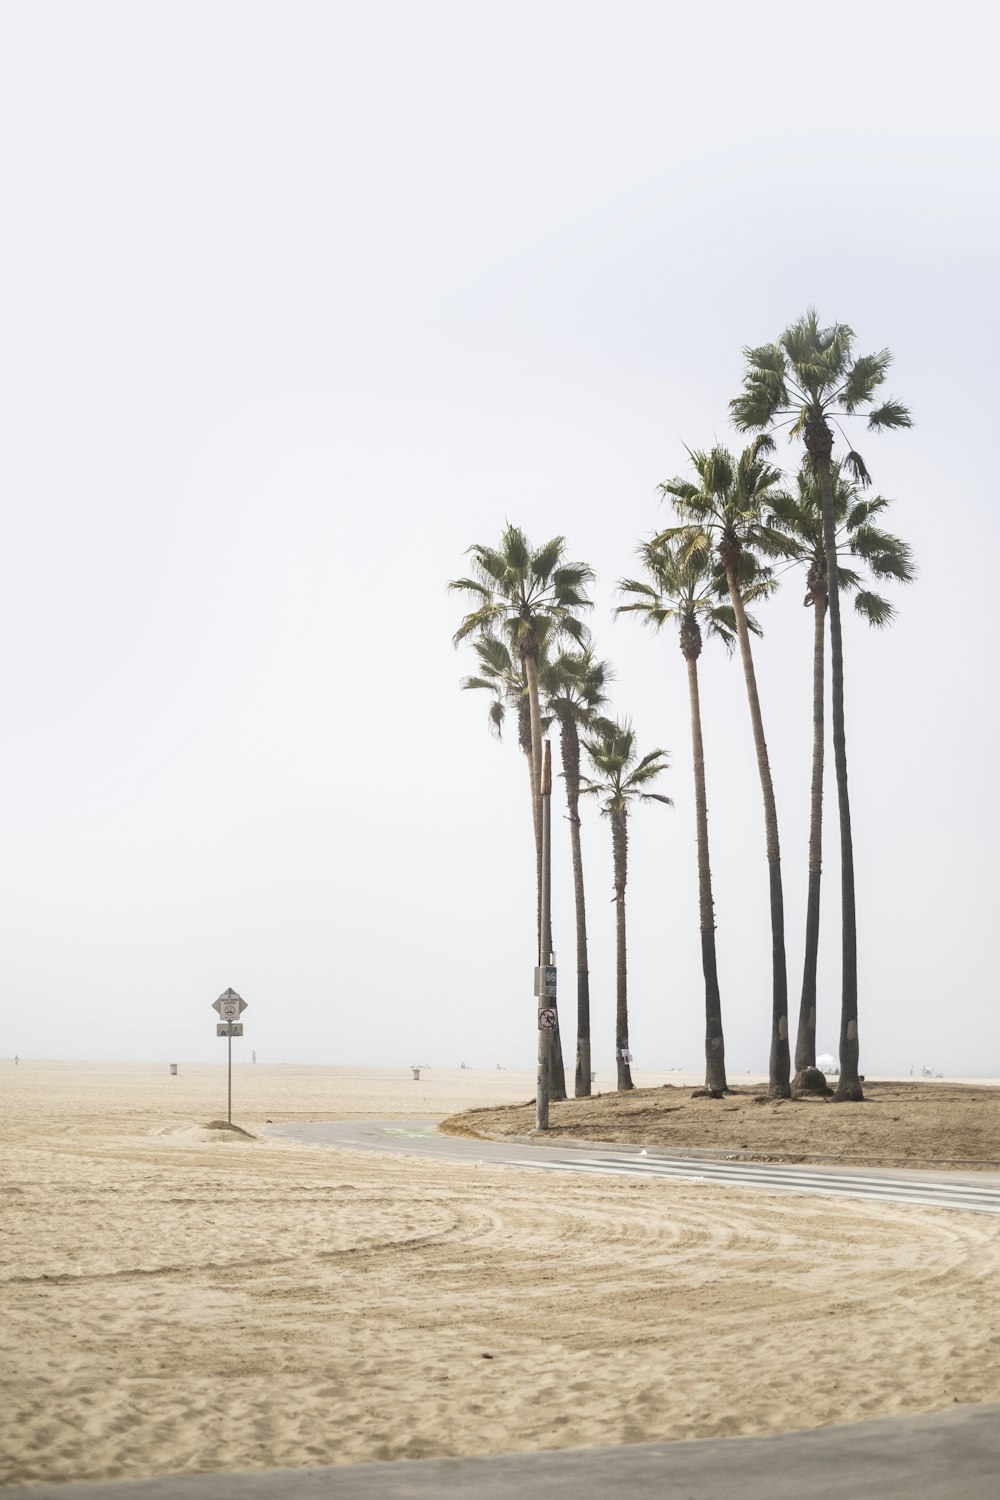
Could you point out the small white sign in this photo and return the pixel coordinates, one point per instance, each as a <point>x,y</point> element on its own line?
<point>229,1005</point>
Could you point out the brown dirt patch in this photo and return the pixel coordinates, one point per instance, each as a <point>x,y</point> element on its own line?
<point>922,1125</point>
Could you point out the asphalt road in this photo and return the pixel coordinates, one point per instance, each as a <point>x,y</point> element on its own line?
<point>974,1192</point>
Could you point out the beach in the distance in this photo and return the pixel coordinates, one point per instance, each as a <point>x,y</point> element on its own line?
<point>180,1300</point>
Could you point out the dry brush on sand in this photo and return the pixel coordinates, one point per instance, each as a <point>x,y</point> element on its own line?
<point>899,1124</point>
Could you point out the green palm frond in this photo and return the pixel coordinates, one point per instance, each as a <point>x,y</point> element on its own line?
<point>547,558</point>
<point>765,390</point>
<point>857,466</point>
<point>524,594</point>
<point>848,579</point>
<point>812,375</point>
<point>620,778</point>
<point>863,510</point>
<point>497,714</point>
<point>574,684</point>
<point>684,591</point>
<point>883,555</point>
<point>876,610</point>
<point>891,415</point>
<point>864,378</point>
<point>728,504</point>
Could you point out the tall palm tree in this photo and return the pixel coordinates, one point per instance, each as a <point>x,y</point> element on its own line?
<point>573,690</point>
<point>800,516</point>
<point>724,510</point>
<point>620,781</point>
<point>529,596</point>
<point>504,678</point>
<point>682,592</point>
<point>810,379</point>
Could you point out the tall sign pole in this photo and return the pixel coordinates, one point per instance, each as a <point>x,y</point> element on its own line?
<point>229,1007</point>
<point>545,974</point>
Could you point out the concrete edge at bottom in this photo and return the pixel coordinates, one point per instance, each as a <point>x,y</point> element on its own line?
<point>950,1455</point>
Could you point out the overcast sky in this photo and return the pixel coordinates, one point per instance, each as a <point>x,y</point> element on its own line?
<point>302,299</point>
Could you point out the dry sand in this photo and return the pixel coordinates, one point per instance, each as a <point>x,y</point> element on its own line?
<point>179,1299</point>
<point>943,1125</point>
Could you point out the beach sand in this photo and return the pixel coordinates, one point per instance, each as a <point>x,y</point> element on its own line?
<point>180,1299</point>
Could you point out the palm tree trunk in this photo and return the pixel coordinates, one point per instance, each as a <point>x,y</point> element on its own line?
<point>557,1076</point>
<point>553,1048</point>
<point>570,745</point>
<point>779,1064</point>
<point>715,1047</point>
<point>537,835</point>
<point>805,1040</point>
<point>619,841</point>
<point>849,1084</point>
<point>535,771</point>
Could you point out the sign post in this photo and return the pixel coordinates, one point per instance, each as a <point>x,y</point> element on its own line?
<point>545,974</point>
<point>229,1006</point>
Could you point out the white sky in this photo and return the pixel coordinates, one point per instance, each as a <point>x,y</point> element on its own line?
<point>302,299</point>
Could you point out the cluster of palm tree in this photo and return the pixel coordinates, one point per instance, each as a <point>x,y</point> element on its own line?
<point>535,660</point>
<point>738,527</point>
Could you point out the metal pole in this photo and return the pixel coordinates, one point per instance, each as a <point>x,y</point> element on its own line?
<point>545,956</point>
<point>229,1100</point>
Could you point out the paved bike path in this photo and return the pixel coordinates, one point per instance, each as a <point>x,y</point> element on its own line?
<point>976,1192</point>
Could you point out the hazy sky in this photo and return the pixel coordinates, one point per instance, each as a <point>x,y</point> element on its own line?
<point>302,299</point>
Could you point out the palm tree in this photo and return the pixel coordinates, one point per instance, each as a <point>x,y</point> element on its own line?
<point>724,511</point>
<point>620,782</point>
<point>530,597</point>
<point>800,517</point>
<point>683,593</point>
<point>506,682</point>
<point>573,690</point>
<point>505,679</point>
<point>809,379</point>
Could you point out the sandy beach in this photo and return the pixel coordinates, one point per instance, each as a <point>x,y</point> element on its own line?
<point>179,1300</point>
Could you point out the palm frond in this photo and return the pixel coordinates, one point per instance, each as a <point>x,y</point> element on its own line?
<point>546,559</point>
<point>864,377</point>
<point>478,621</point>
<point>515,552</point>
<point>891,415</point>
<point>876,610</point>
<point>765,390</point>
<point>856,464</point>
<point>496,718</point>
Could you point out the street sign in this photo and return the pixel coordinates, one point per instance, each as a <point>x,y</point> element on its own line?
<point>545,982</point>
<point>229,1005</point>
<point>547,1020</point>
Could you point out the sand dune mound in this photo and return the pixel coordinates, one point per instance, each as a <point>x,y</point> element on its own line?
<point>212,1132</point>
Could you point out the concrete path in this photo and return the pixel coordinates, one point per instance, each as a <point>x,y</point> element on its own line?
<point>976,1192</point>
<point>952,1456</point>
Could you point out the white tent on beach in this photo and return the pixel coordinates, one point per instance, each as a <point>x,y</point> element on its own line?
<point>827,1064</point>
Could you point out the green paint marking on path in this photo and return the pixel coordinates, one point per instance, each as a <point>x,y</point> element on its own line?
<point>414,1135</point>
